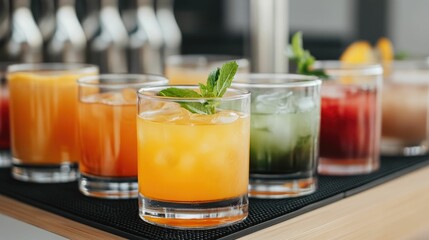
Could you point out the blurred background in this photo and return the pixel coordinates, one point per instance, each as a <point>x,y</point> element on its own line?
<point>137,35</point>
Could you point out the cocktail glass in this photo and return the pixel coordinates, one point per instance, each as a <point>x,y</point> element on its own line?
<point>43,120</point>
<point>5,157</point>
<point>405,107</point>
<point>193,168</point>
<point>194,69</point>
<point>284,133</point>
<point>351,118</point>
<point>107,133</point>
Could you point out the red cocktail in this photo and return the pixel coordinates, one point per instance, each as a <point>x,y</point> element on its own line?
<point>4,119</point>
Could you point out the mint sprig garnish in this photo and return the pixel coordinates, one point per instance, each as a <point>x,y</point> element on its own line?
<point>218,82</point>
<point>303,58</point>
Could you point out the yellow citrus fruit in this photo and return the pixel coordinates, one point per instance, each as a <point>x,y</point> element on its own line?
<point>385,50</point>
<point>358,52</point>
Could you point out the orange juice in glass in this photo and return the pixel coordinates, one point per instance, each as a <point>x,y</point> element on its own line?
<point>107,133</point>
<point>193,168</point>
<point>43,120</point>
<point>194,69</point>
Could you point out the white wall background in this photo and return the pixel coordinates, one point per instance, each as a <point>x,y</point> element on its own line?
<point>409,26</point>
<point>323,17</point>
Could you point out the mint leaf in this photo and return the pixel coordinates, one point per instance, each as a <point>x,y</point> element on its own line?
<point>218,82</point>
<point>194,107</point>
<point>226,75</point>
<point>297,45</point>
<point>179,92</point>
<point>211,82</point>
<point>303,58</point>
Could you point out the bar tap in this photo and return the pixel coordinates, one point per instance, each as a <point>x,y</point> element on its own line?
<point>146,42</point>
<point>169,27</point>
<point>44,13</point>
<point>25,42</point>
<point>108,49</point>
<point>68,42</point>
<point>269,35</point>
<point>4,19</point>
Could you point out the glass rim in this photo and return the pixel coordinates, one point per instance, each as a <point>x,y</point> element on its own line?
<point>291,80</point>
<point>60,67</point>
<point>240,94</point>
<point>147,80</point>
<point>187,58</point>
<point>420,64</point>
<point>337,69</point>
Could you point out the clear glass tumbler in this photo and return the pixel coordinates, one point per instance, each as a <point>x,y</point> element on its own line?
<point>350,119</point>
<point>43,117</point>
<point>405,106</point>
<point>193,169</point>
<point>284,133</point>
<point>194,69</point>
<point>107,133</point>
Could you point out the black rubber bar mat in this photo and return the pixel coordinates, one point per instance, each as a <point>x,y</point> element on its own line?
<point>120,217</point>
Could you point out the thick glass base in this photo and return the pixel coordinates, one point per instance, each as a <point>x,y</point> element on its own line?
<point>65,172</point>
<point>5,158</point>
<point>346,167</point>
<point>193,215</point>
<point>391,147</point>
<point>110,188</point>
<point>280,188</point>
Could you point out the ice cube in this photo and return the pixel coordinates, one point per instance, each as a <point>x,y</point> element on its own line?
<point>166,112</point>
<point>225,117</point>
<point>333,91</point>
<point>111,98</point>
<point>277,102</point>
<point>305,104</point>
<point>129,95</point>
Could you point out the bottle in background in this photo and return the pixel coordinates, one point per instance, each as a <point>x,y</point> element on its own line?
<point>25,42</point>
<point>108,48</point>
<point>146,42</point>
<point>68,43</point>
<point>170,29</point>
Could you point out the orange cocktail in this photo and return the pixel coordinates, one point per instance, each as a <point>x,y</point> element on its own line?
<point>107,133</point>
<point>43,114</point>
<point>193,161</point>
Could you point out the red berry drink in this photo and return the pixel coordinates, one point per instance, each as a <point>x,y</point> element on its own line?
<point>4,119</point>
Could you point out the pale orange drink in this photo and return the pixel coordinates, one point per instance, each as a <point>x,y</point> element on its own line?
<point>193,168</point>
<point>43,114</point>
<point>194,69</point>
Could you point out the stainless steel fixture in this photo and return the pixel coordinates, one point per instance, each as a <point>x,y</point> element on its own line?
<point>25,42</point>
<point>269,35</point>
<point>68,43</point>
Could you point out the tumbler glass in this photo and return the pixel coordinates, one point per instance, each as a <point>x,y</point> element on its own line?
<point>351,118</point>
<point>5,157</point>
<point>193,169</point>
<point>43,116</point>
<point>107,133</point>
<point>405,107</point>
<point>284,133</point>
